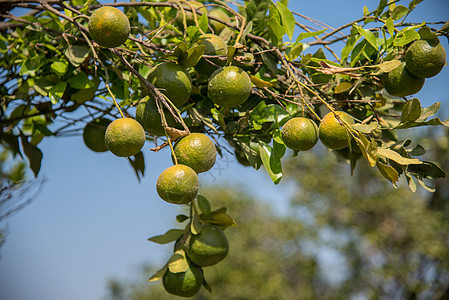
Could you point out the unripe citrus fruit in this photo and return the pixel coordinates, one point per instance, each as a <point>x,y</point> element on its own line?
<point>229,86</point>
<point>109,27</point>
<point>220,14</point>
<point>125,137</point>
<point>400,82</point>
<point>214,46</point>
<point>425,59</point>
<point>173,80</point>
<point>208,247</point>
<point>178,184</point>
<point>197,151</point>
<point>332,133</point>
<point>148,116</point>
<point>93,134</point>
<point>300,134</point>
<point>184,284</point>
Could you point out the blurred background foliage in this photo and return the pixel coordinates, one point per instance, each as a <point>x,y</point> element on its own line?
<point>341,238</point>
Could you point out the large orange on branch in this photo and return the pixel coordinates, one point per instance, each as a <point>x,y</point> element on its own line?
<point>109,27</point>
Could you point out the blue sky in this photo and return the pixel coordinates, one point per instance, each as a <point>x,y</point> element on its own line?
<point>93,217</point>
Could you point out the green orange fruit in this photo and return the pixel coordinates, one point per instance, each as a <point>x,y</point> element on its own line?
<point>229,86</point>
<point>124,137</point>
<point>93,134</point>
<point>300,134</point>
<point>220,14</point>
<point>173,81</point>
<point>332,133</point>
<point>425,59</point>
<point>197,151</point>
<point>214,45</point>
<point>109,27</point>
<point>208,247</point>
<point>400,82</point>
<point>178,184</point>
<point>183,284</point>
<point>148,116</point>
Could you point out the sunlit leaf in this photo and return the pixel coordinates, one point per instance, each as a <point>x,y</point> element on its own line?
<point>178,262</point>
<point>168,237</point>
<point>393,155</point>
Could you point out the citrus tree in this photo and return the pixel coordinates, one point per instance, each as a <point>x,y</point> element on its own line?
<point>200,78</point>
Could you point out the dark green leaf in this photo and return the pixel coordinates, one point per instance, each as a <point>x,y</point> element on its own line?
<point>203,204</point>
<point>288,21</point>
<point>56,92</point>
<point>399,12</point>
<point>381,7</point>
<point>206,285</point>
<point>138,164</point>
<point>181,218</point>
<point>304,35</point>
<point>192,56</point>
<point>413,4</point>
<point>77,54</point>
<point>159,274</point>
<point>80,81</point>
<point>168,237</point>
<point>426,34</point>
<point>427,169</point>
<point>33,154</point>
<point>405,37</point>
<point>388,172</point>
<point>411,111</point>
<point>368,35</point>
<point>222,220</point>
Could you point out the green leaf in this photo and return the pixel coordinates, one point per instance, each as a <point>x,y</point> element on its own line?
<point>181,218</point>
<point>33,154</point>
<point>381,7</point>
<point>277,30</point>
<point>248,29</point>
<point>427,169</point>
<point>195,225</point>
<point>203,204</point>
<point>271,159</point>
<point>427,112</point>
<point>206,285</point>
<point>350,44</point>
<point>287,18</point>
<point>368,148</point>
<point>342,87</point>
<point>426,34</point>
<point>259,82</point>
<point>394,156</point>
<point>390,26</point>
<point>168,237</point>
<point>159,274</point>
<point>203,22</point>
<point>56,92</point>
<point>178,262</point>
<point>179,49</point>
<point>138,164</point>
<point>77,54</point>
<point>366,128</point>
<point>30,66</point>
<point>192,56</point>
<point>405,37</point>
<point>305,35</point>
<point>263,113</point>
<point>413,4</point>
<point>80,81</point>
<point>388,66</point>
<point>399,12</point>
<point>60,67</point>
<point>222,220</point>
<point>411,111</point>
<point>388,172</point>
<point>369,36</point>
